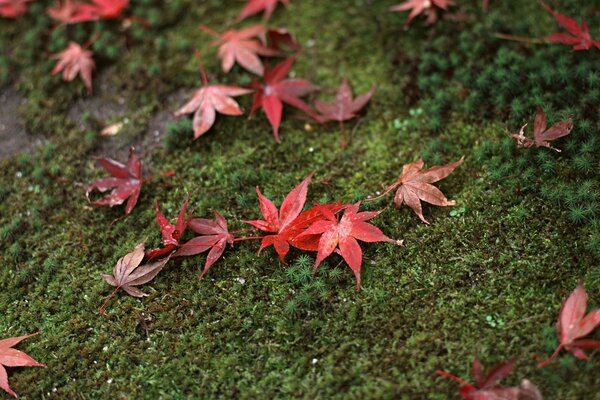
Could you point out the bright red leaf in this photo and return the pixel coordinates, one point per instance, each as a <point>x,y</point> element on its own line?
<point>126,182</point>
<point>542,136</point>
<point>243,47</point>
<point>99,9</point>
<point>13,8</point>
<point>171,234</point>
<point>415,185</point>
<point>10,357</point>
<point>277,221</point>
<point>214,236</point>
<point>345,107</point>
<point>256,6</point>
<point>579,37</point>
<point>487,386</point>
<point>573,325</point>
<point>209,100</point>
<point>343,235</point>
<point>422,7</point>
<point>276,90</point>
<point>75,60</point>
<point>128,274</point>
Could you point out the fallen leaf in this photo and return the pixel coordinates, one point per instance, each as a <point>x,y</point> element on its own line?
<point>542,136</point>
<point>277,221</point>
<point>276,90</point>
<point>579,37</point>
<point>128,274</point>
<point>209,100</point>
<point>415,185</point>
<point>13,8</point>
<point>487,384</point>
<point>10,357</point>
<point>64,11</point>
<point>126,182</point>
<point>75,60</point>
<point>256,6</point>
<point>243,47</point>
<point>112,129</point>
<point>422,7</point>
<point>343,235</point>
<point>99,9</point>
<point>344,108</point>
<point>214,236</point>
<point>573,325</point>
<point>281,39</point>
<point>171,234</point>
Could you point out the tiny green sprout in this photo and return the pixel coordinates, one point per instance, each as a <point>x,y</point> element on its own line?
<point>457,212</point>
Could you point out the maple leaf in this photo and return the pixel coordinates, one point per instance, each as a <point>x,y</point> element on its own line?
<point>580,37</point>
<point>422,7</point>
<point>75,60</point>
<point>257,6</point>
<point>64,11</point>
<point>573,324</point>
<point>487,384</point>
<point>542,136</point>
<point>243,46</point>
<point>208,100</point>
<point>415,185</point>
<point>128,274</point>
<point>344,108</point>
<point>126,182</point>
<point>10,357</point>
<point>171,234</point>
<point>281,38</point>
<point>13,8</point>
<point>276,90</point>
<point>344,234</point>
<point>214,236</point>
<point>277,221</point>
<point>99,9</point>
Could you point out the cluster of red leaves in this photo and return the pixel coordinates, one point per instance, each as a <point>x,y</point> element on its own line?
<point>425,7</point>
<point>125,182</point>
<point>13,8</point>
<point>10,357</point>
<point>487,386</point>
<point>542,135</point>
<point>579,37</point>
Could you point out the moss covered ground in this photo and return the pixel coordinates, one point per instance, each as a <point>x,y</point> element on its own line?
<point>486,278</point>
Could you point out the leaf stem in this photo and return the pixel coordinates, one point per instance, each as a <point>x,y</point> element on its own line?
<point>206,29</point>
<point>454,378</point>
<point>103,306</point>
<point>389,189</point>
<point>202,71</point>
<point>552,357</point>
<point>248,238</point>
<point>343,129</point>
<point>521,39</point>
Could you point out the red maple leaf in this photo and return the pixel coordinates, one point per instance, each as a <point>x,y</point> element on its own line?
<point>422,7</point>
<point>243,46</point>
<point>415,185</point>
<point>99,9</point>
<point>126,182</point>
<point>214,236</point>
<point>64,11</point>
<point>127,274</point>
<point>209,100</point>
<point>13,8</point>
<point>542,136</point>
<point>171,234</point>
<point>281,38</point>
<point>573,324</point>
<point>75,60</point>
<point>276,90</point>
<point>344,108</point>
<point>257,6</point>
<point>343,235</point>
<point>580,37</point>
<point>487,384</point>
<point>10,357</point>
<point>278,221</point>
